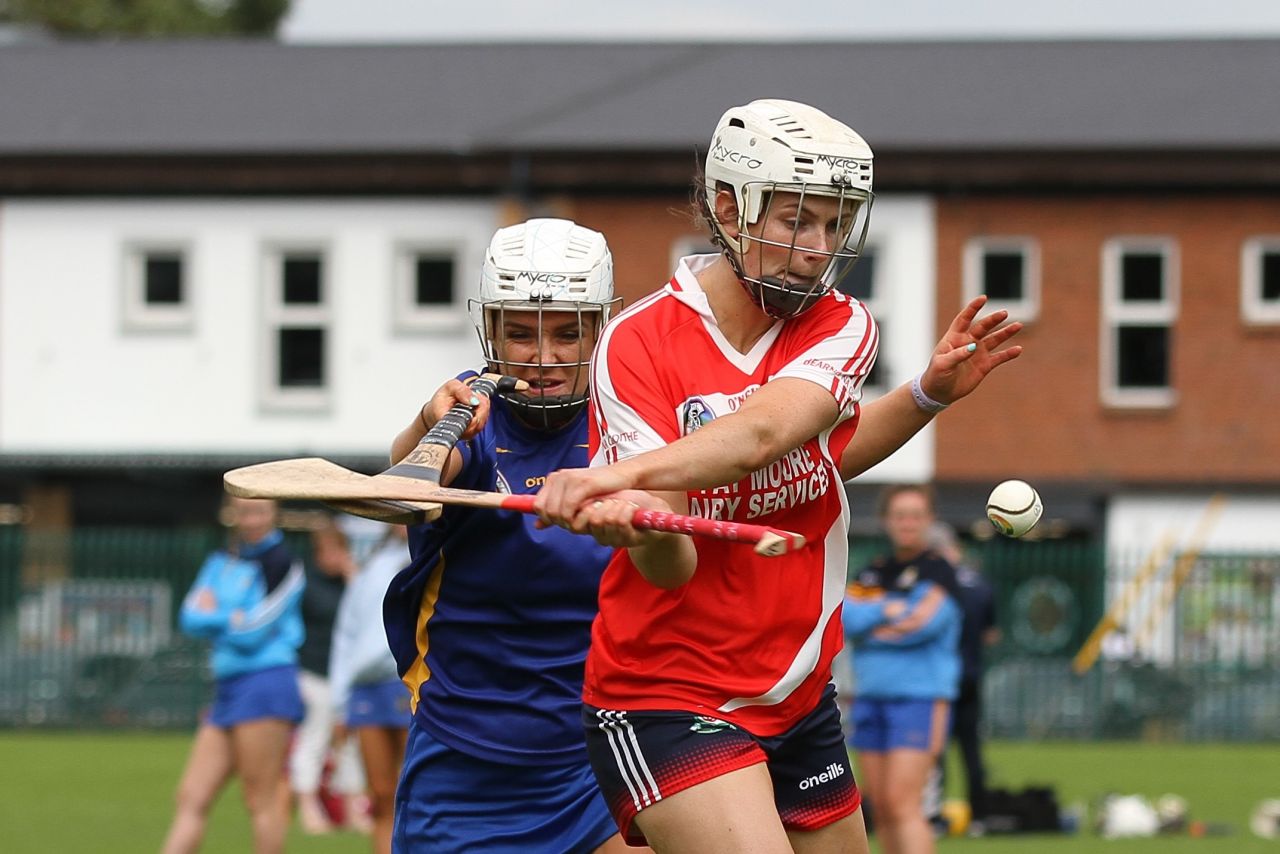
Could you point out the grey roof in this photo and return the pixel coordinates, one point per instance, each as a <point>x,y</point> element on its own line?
<point>259,97</point>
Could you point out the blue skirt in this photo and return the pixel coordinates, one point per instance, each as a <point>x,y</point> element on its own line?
<point>270,693</point>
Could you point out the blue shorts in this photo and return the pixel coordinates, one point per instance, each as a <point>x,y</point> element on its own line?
<point>449,801</point>
<point>883,725</point>
<point>384,704</point>
<point>270,693</point>
<point>642,757</point>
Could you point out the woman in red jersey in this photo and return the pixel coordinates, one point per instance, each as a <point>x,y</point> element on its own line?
<point>734,393</point>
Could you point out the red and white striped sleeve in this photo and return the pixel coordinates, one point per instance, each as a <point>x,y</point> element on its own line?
<point>629,414</point>
<point>837,350</point>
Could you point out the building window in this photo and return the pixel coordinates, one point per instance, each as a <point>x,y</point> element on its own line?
<point>1139,309</point>
<point>861,284</point>
<point>297,329</point>
<point>428,295</point>
<point>1007,270</point>
<point>157,290</point>
<point>1260,281</point>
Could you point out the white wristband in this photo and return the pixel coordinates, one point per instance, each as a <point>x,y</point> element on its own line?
<point>928,404</point>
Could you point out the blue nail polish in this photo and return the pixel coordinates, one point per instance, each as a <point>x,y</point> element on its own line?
<point>475,401</point>
<point>972,347</point>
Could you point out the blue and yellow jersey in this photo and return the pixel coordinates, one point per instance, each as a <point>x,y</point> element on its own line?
<point>491,621</point>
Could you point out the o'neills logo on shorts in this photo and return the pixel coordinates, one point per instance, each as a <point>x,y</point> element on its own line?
<point>834,770</point>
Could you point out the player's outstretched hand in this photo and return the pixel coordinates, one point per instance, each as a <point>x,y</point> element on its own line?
<point>968,351</point>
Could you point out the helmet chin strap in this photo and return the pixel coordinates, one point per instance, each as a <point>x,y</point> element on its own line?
<point>772,295</point>
<point>780,301</point>
<point>544,412</point>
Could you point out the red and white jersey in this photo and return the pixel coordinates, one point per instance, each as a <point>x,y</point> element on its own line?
<point>748,639</point>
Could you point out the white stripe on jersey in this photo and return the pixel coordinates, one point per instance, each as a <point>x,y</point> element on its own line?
<point>835,550</point>
<point>612,416</point>
<point>617,729</point>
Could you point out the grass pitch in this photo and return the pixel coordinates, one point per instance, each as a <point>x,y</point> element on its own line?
<point>113,792</point>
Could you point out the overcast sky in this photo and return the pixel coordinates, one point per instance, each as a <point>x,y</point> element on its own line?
<point>575,20</point>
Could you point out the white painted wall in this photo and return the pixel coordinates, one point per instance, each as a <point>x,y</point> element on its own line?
<point>73,379</point>
<point>904,237</point>
<point>1137,525</point>
<point>1136,522</point>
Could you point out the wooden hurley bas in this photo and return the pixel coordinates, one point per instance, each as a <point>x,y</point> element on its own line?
<point>316,479</point>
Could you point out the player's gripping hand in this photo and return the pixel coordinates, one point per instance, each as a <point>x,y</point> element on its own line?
<point>567,493</point>
<point>968,352</point>
<point>608,518</point>
<point>446,397</point>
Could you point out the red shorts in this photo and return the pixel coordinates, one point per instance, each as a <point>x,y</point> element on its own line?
<point>641,757</point>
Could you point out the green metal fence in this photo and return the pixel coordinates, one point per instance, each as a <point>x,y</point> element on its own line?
<point>88,627</point>
<point>88,636</point>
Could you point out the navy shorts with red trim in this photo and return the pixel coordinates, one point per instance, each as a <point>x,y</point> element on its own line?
<point>641,757</point>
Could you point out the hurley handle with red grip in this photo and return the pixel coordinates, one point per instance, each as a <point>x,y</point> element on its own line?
<point>769,542</point>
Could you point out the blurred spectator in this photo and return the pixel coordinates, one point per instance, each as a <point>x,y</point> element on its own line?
<point>368,698</point>
<point>902,616</point>
<point>978,630</point>
<point>246,601</point>
<point>327,575</point>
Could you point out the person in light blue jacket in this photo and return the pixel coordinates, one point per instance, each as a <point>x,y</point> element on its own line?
<point>364,685</point>
<point>902,618</point>
<point>246,601</point>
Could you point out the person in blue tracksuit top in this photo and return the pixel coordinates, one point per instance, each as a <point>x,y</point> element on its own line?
<point>902,618</point>
<point>246,600</point>
<point>491,622</point>
<point>367,695</point>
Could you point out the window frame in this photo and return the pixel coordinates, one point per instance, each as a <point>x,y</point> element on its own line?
<point>1026,309</point>
<point>277,316</point>
<point>137,314</point>
<point>1117,313</point>
<point>878,307</point>
<point>1255,311</point>
<point>409,318</point>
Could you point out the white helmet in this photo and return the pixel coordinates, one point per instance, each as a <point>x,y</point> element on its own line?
<point>772,146</point>
<point>544,265</point>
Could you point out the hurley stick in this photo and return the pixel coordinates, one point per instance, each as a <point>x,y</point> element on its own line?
<point>316,479</point>
<point>427,460</point>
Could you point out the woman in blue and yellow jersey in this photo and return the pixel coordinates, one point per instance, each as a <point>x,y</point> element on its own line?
<point>246,600</point>
<point>490,623</point>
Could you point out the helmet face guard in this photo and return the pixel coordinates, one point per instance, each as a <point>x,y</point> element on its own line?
<point>557,277</point>
<point>533,406</point>
<point>779,295</point>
